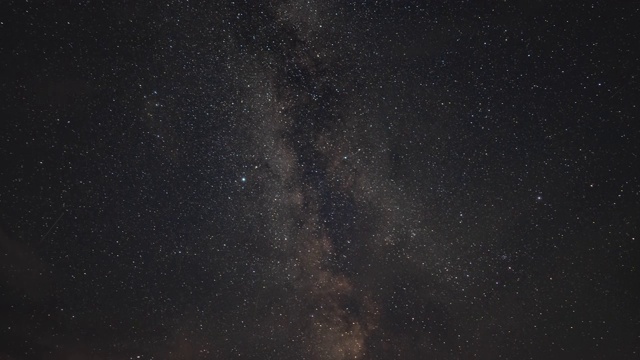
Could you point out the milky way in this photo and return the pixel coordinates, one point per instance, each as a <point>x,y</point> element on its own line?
<point>319,180</point>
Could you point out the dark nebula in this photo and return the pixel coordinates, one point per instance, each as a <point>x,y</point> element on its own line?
<point>319,180</point>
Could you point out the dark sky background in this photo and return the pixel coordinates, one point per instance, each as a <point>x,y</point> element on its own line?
<point>319,180</point>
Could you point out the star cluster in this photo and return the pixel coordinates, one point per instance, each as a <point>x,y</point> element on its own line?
<point>319,180</point>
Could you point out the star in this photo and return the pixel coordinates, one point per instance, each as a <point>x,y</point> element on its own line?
<point>365,127</point>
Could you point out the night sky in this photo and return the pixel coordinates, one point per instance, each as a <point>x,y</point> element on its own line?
<point>319,180</point>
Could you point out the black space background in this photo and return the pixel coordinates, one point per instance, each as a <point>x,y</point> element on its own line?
<point>319,180</point>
